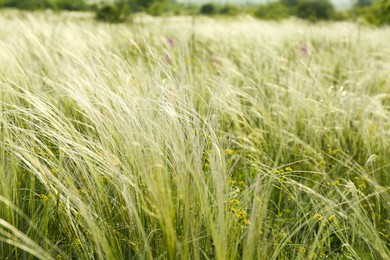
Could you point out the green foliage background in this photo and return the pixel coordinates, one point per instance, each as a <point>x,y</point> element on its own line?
<point>372,12</point>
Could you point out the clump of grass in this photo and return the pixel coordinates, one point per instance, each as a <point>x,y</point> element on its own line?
<point>115,144</point>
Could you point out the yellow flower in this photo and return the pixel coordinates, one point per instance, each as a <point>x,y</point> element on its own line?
<point>246,221</point>
<point>229,151</point>
<point>232,182</point>
<point>302,250</point>
<point>81,191</point>
<point>232,209</point>
<point>283,235</point>
<point>76,241</point>
<point>235,202</point>
<point>103,179</point>
<point>241,214</point>
<point>288,169</point>
<point>332,218</point>
<point>336,182</point>
<point>318,217</point>
<point>278,171</point>
<point>44,197</point>
<point>321,163</point>
<point>362,186</point>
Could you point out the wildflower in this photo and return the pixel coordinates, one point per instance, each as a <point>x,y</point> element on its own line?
<point>234,202</point>
<point>232,182</point>
<point>318,217</point>
<point>362,186</point>
<point>321,164</point>
<point>81,192</point>
<point>241,214</point>
<point>232,209</point>
<point>282,235</point>
<point>304,50</point>
<point>44,197</point>
<point>170,42</point>
<point>241,183</point>
<point>302,250</point>
<point>103,179</point>
<point>246,221</point>
<point>288,169</point>
<point>229,151</point>
<point>332,218</point>
<point>336,182</point>
<point>54,171</point>
<point>76,241</point>
<point>334,152</point>
<point>278,171</point>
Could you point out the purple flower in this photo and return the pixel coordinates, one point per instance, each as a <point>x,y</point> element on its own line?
<point>170,42</point>
<point>304,50</point>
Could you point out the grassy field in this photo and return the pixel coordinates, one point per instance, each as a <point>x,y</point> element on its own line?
<point>173,138</point>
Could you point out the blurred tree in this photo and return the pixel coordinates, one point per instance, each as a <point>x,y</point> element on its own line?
<point>158,8</point>
<point>72,5</point>
<point>115,12</point>
<point>110,13</point>
<point>30,5</point>
<point>272,11</point>
<point>208,9</point>
<point>315,9</point>
<point>363,2</point>
<point>378,13</point>
<point>289,3</point>
<point>141,5</point>
<point>42,4</point>
<point>229,9</point>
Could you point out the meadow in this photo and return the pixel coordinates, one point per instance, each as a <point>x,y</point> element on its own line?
<point>193,138</point>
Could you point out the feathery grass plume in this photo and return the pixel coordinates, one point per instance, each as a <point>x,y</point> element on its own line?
<point>110,151</point>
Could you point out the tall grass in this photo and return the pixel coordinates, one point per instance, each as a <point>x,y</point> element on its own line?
<point>240,139</point>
